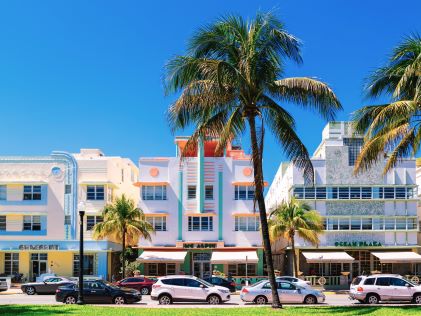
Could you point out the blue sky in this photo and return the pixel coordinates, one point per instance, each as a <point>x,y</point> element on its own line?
<point>77,74</point>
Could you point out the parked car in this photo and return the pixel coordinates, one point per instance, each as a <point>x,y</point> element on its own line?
<point>384,287</point>
<point>217,280</point>
<point>98,292</point>
<point>48,286</point>
<point>142,284</point>
<point>186,288</point>
<point>261,293</point>
<point>294,280</point>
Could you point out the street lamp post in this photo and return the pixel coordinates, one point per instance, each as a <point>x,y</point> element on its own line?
<point>81,215</point>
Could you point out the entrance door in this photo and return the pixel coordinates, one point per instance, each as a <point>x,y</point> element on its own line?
<point>202,265</point>
<point>39,264</point>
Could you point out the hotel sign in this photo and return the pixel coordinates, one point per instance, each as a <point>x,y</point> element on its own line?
<point>38,247</point>
<point>358,244</point>
<point>199,245</point>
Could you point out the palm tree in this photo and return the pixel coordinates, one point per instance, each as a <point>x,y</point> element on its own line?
<point>394,127</point>
<point>123,222</point>
<point>295,218</point>
<point>231,76</point>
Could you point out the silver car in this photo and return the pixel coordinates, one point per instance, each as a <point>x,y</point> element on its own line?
<point>261,293</point>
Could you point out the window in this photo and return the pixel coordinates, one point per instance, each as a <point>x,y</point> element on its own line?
<point>95,193</point>
<point>400,193</point>
<point>366,193</point>
<point>321,193</point>
<point>411,193</point>
<point>243,192</point>
<point>92,220</point>
<point>285,286</point>
<point>200,223</point>
<point>240,269</point>
<point>378,223</point>
<point>3,192</point>
<point>209,192</point>
<point>299,193</point>
<point>389,224</point>
<point>332,224</point>
<point>389,193</point>
<point>334,193</point>
<point>343,193</point>
<point>367,223</point>
<point>343,224</point>
<point>355,193</point>
<point>3,222</point>
<point>68,189</point>
<point>11,263</point>
<point>191,192</point>
<point>247,223</point>
<point>159,223</point>
<point>383,281</point>
<point>192,283</point>
<point>122,175</point>
<point>31,222</point>
<point>154,192</point>
<point>354,147</point>
<point>369,281</point>
<point>67,220</point>
<point>355,223</point>
<point>159,269</point>
<point>400,223</point>
<point>88,265</point>
<point>310,193</point>
<point>32,192</point>
<point>174,282</point>
<point>412,223</point>
<point>398,282</point>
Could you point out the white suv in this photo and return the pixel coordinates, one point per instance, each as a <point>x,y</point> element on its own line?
<point>384,287</point>
<point>186,288</point>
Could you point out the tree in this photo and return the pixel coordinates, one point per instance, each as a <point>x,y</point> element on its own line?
<point>294,217</point>
<point>123,222</point>
<point>229,78</point>
<point>394,127</point>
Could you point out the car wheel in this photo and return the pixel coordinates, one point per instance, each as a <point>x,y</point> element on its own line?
<point>310,299</point>
<point>417,299</point>
<point>165,300</point>
<point>214,300</point>
<point>119,300</point>
<point>70,300</point>
<point>372,299</point>
<point>260,300</point>
<point>144,291</point>
<point>30,290</point>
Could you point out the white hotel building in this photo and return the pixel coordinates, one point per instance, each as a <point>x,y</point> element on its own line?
<point>370,219</point>
<point>202,210</point>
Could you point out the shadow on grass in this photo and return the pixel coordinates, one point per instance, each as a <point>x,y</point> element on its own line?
<point>358,310</point>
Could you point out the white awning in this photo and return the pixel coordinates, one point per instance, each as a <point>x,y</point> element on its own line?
<point>398,257</point>
<point>219,257</point>
<point>331,256</point>
<point>162,256</point>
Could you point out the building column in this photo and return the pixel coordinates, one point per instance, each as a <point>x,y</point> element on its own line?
<point>180,205</point>
<point>220,206</point>
<point>102,264</point>
<point>200,187</point>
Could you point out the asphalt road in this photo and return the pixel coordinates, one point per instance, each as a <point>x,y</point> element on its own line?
<point>20,298</point>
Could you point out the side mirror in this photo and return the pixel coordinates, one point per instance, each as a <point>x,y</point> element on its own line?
<point>407,285</point>
<point>299,291</point>
<point>202,286</point>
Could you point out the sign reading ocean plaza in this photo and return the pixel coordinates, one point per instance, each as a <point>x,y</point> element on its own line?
<point>358,244</point>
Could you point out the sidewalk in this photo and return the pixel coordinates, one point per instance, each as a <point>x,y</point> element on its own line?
<point>11,291</point>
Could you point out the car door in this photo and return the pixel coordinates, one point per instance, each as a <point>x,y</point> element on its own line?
<point>288,293</point>
<point>383,288</point>
<point>52,284</point>
<point>178,288</point>
<point>197,291</point>
<point>402,290</point>
<point>99,293</point>
<point>266,291</point>
<point>130,283</point>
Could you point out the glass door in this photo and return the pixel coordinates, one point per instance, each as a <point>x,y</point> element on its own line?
<point>201,265</point>
<point>39,265</point>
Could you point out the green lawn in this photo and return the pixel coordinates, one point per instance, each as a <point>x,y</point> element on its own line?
<point>22,310</point>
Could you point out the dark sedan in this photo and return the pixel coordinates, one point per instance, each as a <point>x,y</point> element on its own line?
<point>217,280</point>
<point>142,284</point>
<point>98,292</point>
<point>48,286</point>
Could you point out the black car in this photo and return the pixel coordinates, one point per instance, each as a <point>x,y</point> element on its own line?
<point>48,286</point>
<point>98,292</point>
<point>217,280</point>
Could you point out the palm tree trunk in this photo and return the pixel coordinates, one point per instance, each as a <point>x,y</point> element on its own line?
<point>294,257</point>
<point>258,179</point>
<point>123,255</point>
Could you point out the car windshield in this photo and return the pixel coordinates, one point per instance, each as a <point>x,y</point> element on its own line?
<point>110,285</point>
<point>206,283</point>
<point>258,283</point>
